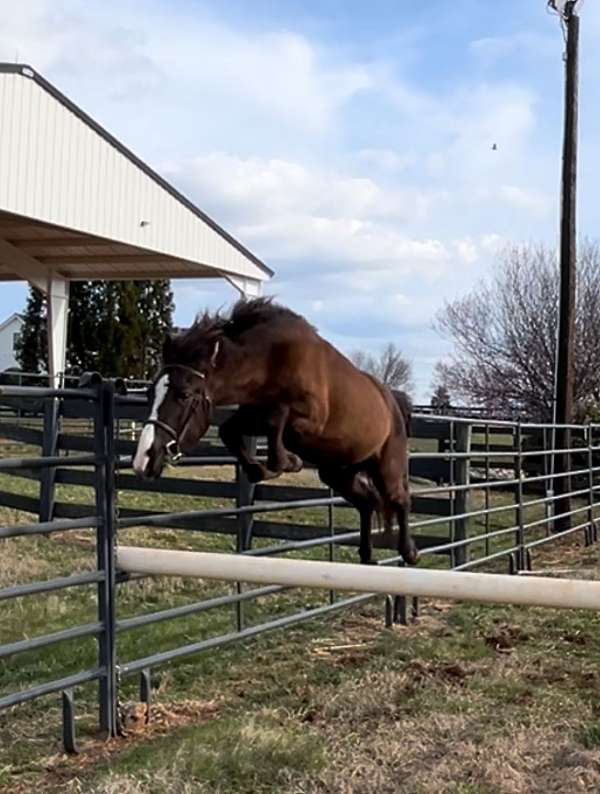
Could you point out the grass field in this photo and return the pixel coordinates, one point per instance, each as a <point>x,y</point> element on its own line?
<point>470,699</point>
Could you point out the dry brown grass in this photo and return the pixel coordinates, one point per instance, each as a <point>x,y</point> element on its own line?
<point>375,746</point>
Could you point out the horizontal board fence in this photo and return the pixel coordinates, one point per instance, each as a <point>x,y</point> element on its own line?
<point>482,498</point>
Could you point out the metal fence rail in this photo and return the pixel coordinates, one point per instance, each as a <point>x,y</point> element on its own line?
<point>100,400</point>
<point>483,495</point>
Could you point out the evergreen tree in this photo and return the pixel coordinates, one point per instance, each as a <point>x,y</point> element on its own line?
<point>129,331</point>
<point>156,311</point>
<point>116,328</point>
<point>85,307</point>
<point>31,347</point>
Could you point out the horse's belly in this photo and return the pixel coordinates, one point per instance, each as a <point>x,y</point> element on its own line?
<point>325,449</point>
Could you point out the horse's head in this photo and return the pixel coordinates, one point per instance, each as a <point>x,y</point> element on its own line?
<point>182,404</point>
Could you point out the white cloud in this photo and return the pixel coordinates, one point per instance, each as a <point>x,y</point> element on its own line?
<point>495,48</point>
<point>491,243</point>
<point>169,52</point>
<point>291,212</point>
<point>386,159</point>
<point>527,199</point>
<point>271,188</point>
<point>466,250</point>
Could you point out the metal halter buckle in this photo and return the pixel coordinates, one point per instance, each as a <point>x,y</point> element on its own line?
<point>174,454</point>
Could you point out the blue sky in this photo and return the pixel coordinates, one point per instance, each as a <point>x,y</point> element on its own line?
<point>348,144</point>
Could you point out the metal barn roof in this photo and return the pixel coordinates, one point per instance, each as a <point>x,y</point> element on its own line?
<point>75,199</point>
<point>75,204</point>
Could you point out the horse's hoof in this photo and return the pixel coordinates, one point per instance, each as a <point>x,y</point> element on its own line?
<point>295,464</point>
<point>411,557</point>
<point>255,472</point>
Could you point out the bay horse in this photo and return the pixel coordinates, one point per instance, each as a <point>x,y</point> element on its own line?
<point>296,389</point>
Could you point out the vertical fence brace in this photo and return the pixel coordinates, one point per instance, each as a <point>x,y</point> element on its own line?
<point>68,722</point>
<point>462,474</point>
<point>415,608</point>
<point>49,449</point>
<point>590,536</point>
<point>245,522</point>
<point>389,611</point>
<point>520,534</point>
<point>331,546</point>
<point>146,691</point>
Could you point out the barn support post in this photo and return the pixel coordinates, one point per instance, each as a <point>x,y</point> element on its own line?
<point>247,287</point>
<point>57,293</point>
<point>462,475</point>
<point>105,555</point>
<point>49,449</point>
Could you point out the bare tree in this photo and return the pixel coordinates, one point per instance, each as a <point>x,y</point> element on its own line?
<point>390,366</point>
<point>504,334</point>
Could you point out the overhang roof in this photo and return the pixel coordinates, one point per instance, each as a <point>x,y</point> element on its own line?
<point>77,203</point>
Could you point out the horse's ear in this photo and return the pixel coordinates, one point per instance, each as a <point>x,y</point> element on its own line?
<point>215,353</point>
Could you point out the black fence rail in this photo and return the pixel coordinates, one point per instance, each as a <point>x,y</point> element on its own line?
<point>483,496</point>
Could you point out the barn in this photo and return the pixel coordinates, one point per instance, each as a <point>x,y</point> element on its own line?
<point>76,204</point>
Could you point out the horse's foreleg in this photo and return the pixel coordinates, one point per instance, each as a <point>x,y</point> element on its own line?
<point>232,432</point>
<point>279,459</point>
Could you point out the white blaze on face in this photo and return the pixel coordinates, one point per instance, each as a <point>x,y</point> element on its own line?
<point>148,433</point>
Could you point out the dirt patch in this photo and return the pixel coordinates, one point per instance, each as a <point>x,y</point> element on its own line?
<point>61,768</point>
<point>506,637</point>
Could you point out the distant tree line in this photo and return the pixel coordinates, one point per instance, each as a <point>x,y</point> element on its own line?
<point>390,366</point>
<point>115,328</point>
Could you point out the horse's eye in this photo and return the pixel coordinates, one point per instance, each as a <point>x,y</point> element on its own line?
<point>182,395</point>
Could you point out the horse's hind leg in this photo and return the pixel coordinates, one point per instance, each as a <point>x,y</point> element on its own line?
<point>391,477</point>
<point>354,487</point>
<point>406,545</point>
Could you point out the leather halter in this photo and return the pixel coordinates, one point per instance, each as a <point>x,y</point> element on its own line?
<point>174,454</point>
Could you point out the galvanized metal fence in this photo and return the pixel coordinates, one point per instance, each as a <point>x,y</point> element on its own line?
<point>482,497</point>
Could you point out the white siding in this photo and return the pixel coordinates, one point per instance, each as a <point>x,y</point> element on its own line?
<point>56,168</point>
<point>8,331</point>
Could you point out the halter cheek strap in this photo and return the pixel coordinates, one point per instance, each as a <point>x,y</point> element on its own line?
<point>185,368</point>
<point>173,451</point>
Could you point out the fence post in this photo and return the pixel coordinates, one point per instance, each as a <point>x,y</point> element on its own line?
<point>245,522</point>
<point>49,449</point>
<point>105,555</point>
<point>520,534</point>
<point>245,497</point>
<point>549,445</point>
<point>462,476</point>
<point>591,499</point>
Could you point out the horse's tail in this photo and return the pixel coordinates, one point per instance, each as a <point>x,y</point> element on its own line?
<point>404,403</point>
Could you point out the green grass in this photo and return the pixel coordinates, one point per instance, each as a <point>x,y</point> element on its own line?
<point>337,705</point>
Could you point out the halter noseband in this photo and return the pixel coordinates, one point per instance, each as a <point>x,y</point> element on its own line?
<point>174,454</point>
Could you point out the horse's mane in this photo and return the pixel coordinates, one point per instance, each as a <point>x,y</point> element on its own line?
<point>244,315</point>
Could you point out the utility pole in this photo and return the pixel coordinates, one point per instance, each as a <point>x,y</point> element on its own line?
<point>568,258</point>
